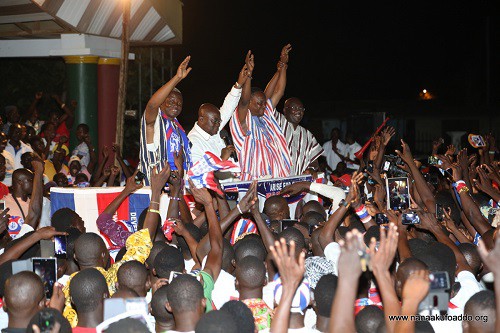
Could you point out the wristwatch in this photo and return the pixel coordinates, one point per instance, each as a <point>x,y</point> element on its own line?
<point>344,203</point>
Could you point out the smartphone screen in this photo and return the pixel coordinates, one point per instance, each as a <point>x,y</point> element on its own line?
<point>287,223</point>
<point>439,280</point>
<point>381,219</point>
<point>410,218</point>
<point>439,212</point>
<point>46,269</point>
<point>398,193</point>
<point>60,246</point>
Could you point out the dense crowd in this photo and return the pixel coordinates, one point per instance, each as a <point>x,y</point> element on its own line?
<point>379,241</point>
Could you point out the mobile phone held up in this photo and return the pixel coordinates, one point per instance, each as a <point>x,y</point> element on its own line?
<point>139,177</point>
<point>60,243</point>
<point>381,219</point>
<point>410,218</point>
<point>286,224</point>
<point>46,269</point>
<point>398,193</point>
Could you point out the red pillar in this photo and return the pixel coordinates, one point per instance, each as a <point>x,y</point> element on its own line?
<point>108,72</point>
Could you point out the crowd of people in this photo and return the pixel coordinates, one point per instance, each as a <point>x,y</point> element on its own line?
<point>350,261</point>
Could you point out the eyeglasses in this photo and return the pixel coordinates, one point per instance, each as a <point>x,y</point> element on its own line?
<point>295,108</point>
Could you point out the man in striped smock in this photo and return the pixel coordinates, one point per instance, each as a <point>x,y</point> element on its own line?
<point>161,134</point>
<point>303,147</point>
<point>258,139</point>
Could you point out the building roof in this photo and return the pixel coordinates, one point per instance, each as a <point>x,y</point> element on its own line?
<point>152,22</point>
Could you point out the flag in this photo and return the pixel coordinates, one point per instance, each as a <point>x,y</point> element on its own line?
<point>202,172</point>
<point>90,202</point>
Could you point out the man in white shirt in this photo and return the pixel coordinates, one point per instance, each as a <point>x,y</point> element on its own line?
<point>15,146</point>
<point>9,160</point>
<point>205,134</point>
<point>334,150</point>
<point>352,147</point>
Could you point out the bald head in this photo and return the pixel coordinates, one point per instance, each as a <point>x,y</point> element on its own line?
<point>209,118</point>
<point>407,268</point>
<point>276,207</point>
<point>90,250</point>
<point>24,295</point>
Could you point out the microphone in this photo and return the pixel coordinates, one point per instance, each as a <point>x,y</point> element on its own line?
<point>228,141</point>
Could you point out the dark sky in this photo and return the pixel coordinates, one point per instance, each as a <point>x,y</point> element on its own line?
<point>342,50</point>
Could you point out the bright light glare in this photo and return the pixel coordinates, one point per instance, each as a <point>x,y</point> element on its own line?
<point>424,91</point>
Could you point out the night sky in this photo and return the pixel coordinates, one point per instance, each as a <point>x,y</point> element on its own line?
<point>342,50</point>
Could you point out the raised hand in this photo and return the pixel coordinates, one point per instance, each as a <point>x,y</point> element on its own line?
<point>38,95</point>
<point>284,53</point>
<point>38,164</point>
<point>178,226</point>
<point>116,149</point>
<point>105,152</point>
<point>349,266</point>
<point>249,62</point>
<point>463,159</point>
<point>115,170</point>
<point>131,186</point>
<point>158,284</point>
<point>57,300</point>
<point>291,269</point>
<point>158,180</point>
<point>226,152</point>
<point>381,259</point>
<point>107,171</point>
<point>295,188</point>
<point>201,195</point>
<point>250,199</point>
<point>416,287</point>
<point>491,258</point>
<point>405,154</point>
<point>49,232</point>
<point>450,150</point>
<point>387,134</point>
<point>183,69</point>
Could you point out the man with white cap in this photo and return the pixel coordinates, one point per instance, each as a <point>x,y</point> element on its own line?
<point>75,167</point>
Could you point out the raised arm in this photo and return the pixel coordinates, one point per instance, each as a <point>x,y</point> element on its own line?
<point>36,202</point>
<point>93,157</point>
<point>176,182</point>
<point>276,87</point>
<point>105,222</point>
<point>214,258</point>
<point>97,174</point>
<point>246,93</point>
<point>125,168</point>
<point>158,181</point>
<point>420,183</point>
<point>161,94</point>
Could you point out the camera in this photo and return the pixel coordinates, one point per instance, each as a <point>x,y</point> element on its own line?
<point>390,166</point>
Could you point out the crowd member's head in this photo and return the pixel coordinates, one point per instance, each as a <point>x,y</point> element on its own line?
<point>90,251</point>
<point>69,264</point>
<point>335,135</point>
<point>172,105</point>
<point>66,218</point>
<point>82,131</point>
<point>87,290</point>
<point>481,305</point>
<point>250,277</point>
<point>81,178</point>
<point>314,206</point>
<point>49,131</point>
<point>37,145</point>
<point>312,218</point>
<point>242,315</point>
<point>185,301</point>
<point>61,179</point>
<point>368,319</point>
<point>227,256</point>
<point>30,133</point>
<point>24,296</point>
<point>349,138</point>
<point>276,208</point>
<point>15,133</point>
<point>22,182</point>
<point>194,231</point>
<point>217,322</point>
<point>54,117</point>
<point>24,133</point>
<point>324,294</point>
<point>12,114</point>
<point>164,320</point>
<point>168,260</point>
<point>134,275</point>
<point>3,167</point>
<point>439,257</point>
<point>157,247</point>
<point>43,314</point>
<point>257,105</point>
<point>3,141</point>
<point>294,110</point>
<point>209,118</point>
<point>74,165</point>
<point>472,257</point>
<point>293,234</point>
<point>249,247</point>
<point>405,269</point>
<point>372,232</point>
<point>304,230</point>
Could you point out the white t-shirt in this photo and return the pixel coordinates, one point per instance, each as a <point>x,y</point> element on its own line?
<point>331,157</point>
<point>189,264</point>
<point>224,289</point>
<point>351,150</point>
